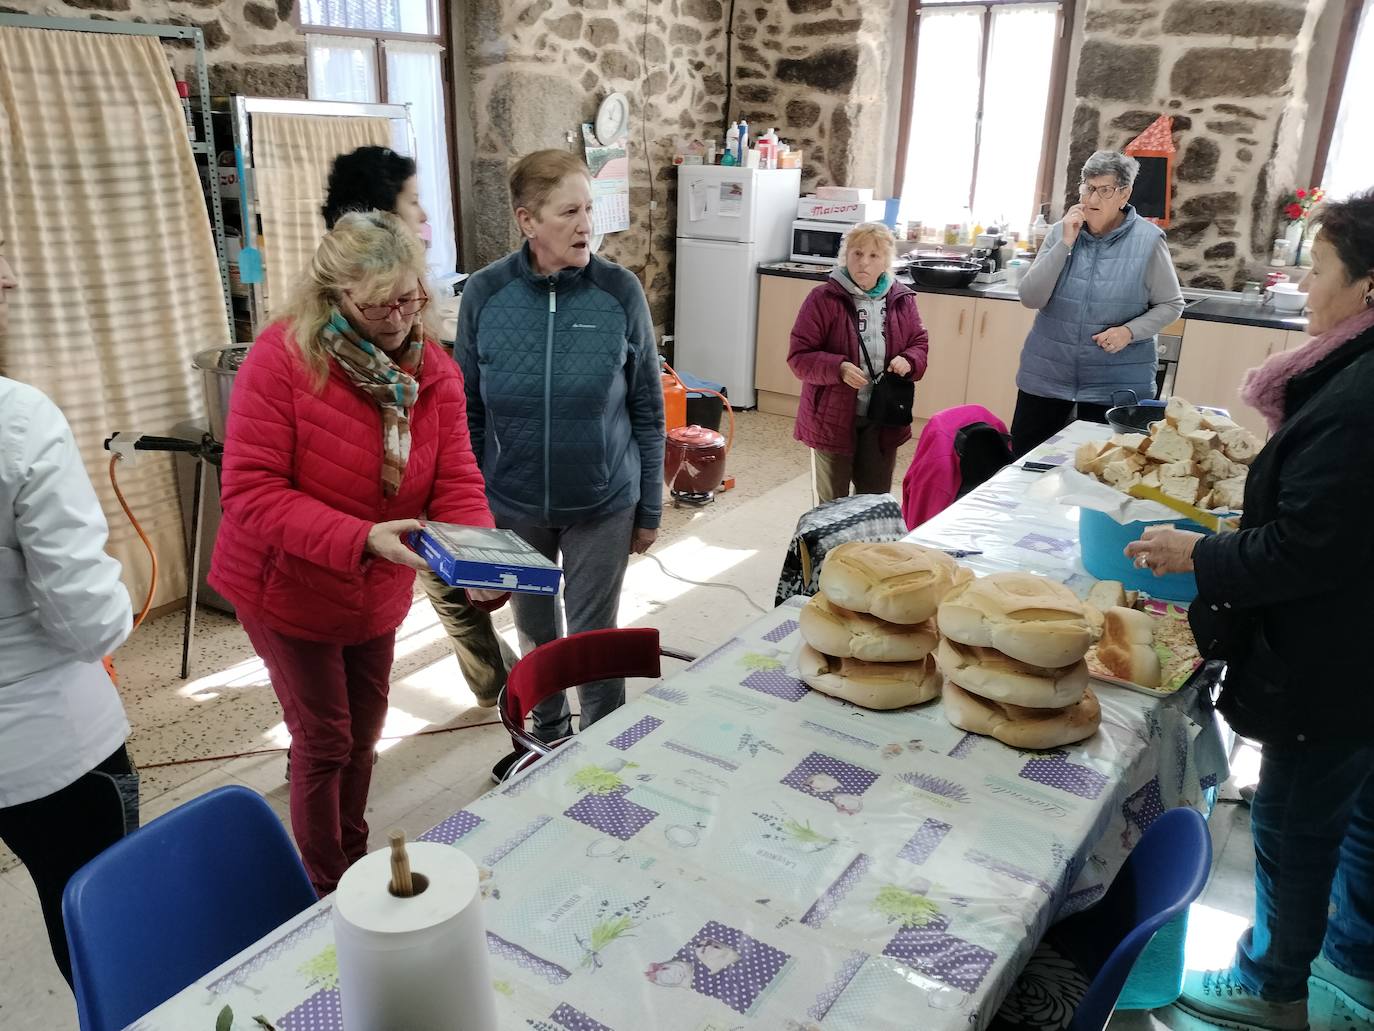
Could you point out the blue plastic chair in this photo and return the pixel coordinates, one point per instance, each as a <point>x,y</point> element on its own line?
<point>1164,873</point>
<point>175,899</point>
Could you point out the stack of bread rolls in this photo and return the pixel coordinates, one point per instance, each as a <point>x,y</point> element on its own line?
<point>870,634</point>
<point>1011,651</point>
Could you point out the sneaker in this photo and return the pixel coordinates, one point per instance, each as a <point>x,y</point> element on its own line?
<point>1354,992</point>
<point>500,771</point>
<point>1219,998</point>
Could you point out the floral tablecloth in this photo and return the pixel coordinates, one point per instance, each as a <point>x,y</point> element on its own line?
<point>735,850</point>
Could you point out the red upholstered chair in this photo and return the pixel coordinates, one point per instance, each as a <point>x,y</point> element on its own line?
<point>569,662</point>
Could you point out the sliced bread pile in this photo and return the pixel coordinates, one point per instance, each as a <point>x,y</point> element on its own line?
<point>1011,651</point>
<point>870,634</point>
<point>1193,456</point>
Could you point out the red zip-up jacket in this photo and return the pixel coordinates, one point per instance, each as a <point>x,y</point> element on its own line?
<point>302,486</point>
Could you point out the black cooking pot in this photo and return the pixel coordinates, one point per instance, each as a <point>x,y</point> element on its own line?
<point>953,272</point>
<point>1135,416</point>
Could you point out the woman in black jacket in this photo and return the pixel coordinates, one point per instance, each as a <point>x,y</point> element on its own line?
<point>1287,602</point>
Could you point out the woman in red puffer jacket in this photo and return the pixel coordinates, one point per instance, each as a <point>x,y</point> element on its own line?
<point>347,426</point>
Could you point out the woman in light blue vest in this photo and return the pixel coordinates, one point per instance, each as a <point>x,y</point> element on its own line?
<point>1104,285</point>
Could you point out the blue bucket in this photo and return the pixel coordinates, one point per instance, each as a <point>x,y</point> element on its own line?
<point>1102,541</point>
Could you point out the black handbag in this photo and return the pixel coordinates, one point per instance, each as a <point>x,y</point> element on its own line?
<point>890,403</point>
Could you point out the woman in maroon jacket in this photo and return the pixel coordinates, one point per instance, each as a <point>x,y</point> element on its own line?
<point>858,322</point>
<point>348,425</point>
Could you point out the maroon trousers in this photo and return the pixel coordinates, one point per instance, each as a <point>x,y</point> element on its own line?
<point>334,700</point>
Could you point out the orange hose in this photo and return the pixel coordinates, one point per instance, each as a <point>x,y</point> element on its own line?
<point>730,437</point>
<point>152,584</point>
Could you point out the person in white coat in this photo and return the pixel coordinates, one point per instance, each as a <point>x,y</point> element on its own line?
<point>67,787</point>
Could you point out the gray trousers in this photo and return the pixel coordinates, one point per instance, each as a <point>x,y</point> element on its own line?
<point>483,657</point>
<point>594,556</point>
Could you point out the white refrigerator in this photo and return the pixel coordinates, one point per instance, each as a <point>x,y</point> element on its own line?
<point>729,221</point>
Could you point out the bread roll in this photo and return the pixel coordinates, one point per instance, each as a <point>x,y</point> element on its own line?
<point>833,630</point>
<point>1169,445</point>
<point>1020,727</point>
<point>1107,594</point>
<point>1022,615</point>
<point>873,685</point>
<point>1240,445</point>
<point>1228,494</point>
<point>1086,455</point>
<point>990,674</point>
<point>1127,648</point>
<point>1182,416</point>
<point>897,582</point>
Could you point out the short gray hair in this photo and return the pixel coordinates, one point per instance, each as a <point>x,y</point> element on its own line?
<point>869,232</point>
<point>1120,166</point>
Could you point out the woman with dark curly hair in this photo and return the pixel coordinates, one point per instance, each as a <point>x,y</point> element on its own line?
<point>1286,602</point>
<point>374,179</point>
<point>378,178</point>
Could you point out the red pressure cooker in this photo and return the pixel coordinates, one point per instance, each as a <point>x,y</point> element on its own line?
<point>693,464</point>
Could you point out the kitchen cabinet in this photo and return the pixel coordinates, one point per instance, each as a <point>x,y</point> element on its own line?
<point>999,331</point>
<point>949,323</point>
<point>780,298</point>
<point>1295,338</point>
<point>1215,358</point>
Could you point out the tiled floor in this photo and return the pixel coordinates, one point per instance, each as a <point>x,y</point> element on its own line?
<point>223,726</point>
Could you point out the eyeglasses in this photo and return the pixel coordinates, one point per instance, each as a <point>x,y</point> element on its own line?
<point>1105,192</point>
<point>381,312</point>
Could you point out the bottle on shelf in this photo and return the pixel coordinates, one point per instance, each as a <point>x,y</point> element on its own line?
<point>742,156</point>
<point>1040,229</point>
<point>184,92</point>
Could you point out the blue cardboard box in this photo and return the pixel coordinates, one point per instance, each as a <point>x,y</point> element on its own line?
<point>494,560</point>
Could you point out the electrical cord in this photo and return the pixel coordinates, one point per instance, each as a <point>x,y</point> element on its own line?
<point>703,583</point>
<point>729,69</point>
<point>152,583</point>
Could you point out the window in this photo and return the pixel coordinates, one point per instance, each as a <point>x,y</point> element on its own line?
<point>977,125</point>
<point>1350,153</point>
<point>391,51</point>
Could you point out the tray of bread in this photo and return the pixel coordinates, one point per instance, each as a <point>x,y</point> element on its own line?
<point>1198,458</point>
<point>897,624</point>
<point>1139,643</point>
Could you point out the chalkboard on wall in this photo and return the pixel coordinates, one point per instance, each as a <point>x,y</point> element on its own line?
<point>1151,193</point>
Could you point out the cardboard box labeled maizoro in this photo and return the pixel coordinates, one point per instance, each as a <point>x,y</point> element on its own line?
<point>494,560</point>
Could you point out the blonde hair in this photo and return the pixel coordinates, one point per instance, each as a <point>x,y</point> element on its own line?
<point>371,253</point>
<point>537,175</point>
<point>871,233</point>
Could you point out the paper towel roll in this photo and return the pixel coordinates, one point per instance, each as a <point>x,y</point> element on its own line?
<point>418,963</point>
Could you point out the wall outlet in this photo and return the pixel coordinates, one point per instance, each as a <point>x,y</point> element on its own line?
<point>653,205</point>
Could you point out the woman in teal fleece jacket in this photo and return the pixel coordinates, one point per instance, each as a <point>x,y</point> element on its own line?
<point>565,410</point>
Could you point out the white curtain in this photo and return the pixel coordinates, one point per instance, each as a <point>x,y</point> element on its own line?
<point>1350,162</point>
<point>414,77</point>
<point>939,164</point>
<point>104,219</point>
<point>342,68</point>
<point>417,17</point>
<point>1015,93</point>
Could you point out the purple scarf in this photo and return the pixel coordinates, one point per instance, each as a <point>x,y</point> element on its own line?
<point>1266,387</point>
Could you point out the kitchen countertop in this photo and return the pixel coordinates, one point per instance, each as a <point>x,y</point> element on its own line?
<point>1206,306</point>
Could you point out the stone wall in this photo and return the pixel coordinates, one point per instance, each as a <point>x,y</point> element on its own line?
<point>817,71</point>
<point>537,69</point>
<point>250,45</point>
<point>1233,73</point>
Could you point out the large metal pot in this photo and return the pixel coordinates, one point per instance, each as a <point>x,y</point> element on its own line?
<point>947,272</point>
<point>218,366</point>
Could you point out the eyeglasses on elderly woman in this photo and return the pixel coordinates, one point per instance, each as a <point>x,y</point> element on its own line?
<point>1087,190</point>
<point>405,308</point>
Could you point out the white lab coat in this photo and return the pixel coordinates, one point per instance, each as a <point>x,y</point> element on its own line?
<point>62,606</point>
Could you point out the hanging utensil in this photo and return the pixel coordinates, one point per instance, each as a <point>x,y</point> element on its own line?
<point>250,258</point>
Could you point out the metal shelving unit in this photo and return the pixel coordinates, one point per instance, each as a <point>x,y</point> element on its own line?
<point>204,146</point>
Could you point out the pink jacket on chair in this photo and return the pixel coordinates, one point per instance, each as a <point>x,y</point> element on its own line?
<point>932,481</point>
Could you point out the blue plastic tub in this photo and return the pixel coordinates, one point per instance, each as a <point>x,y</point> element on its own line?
<point>1103,541</point>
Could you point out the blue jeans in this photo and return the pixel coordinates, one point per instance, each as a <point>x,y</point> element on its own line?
<point>1313,825</point>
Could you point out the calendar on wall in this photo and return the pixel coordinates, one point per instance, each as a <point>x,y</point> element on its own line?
<point>610,168</point>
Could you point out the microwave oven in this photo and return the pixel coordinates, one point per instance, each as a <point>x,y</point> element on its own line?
<point>816,241</point>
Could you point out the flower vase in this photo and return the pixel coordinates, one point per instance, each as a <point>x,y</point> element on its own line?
<point>1294,234</point>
